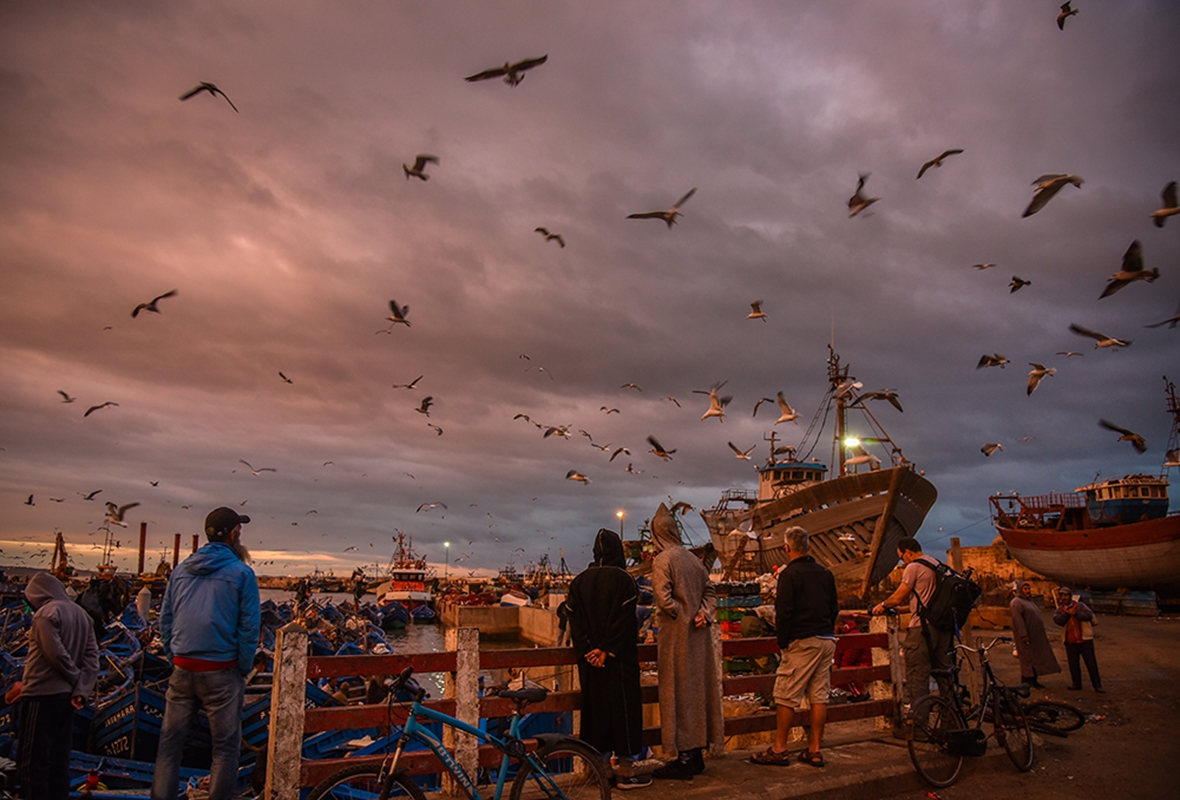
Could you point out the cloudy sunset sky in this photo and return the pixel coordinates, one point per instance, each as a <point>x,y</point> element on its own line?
<point>287,228</point>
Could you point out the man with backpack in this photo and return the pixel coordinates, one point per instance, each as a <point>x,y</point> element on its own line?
<point>927,646</point>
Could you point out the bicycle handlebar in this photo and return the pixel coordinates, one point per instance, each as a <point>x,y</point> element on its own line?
<point>985,647</point>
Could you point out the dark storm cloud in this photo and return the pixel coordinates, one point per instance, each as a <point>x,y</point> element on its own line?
<point>288,227</point>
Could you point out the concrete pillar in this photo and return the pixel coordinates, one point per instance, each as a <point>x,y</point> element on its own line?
<point>284,746</point>
<point>196,542</point>
<point>462,686</point>
<point>176,551</point>
<point>956,554</point>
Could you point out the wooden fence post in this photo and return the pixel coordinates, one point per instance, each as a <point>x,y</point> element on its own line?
<point>717,748</point>
<point>284,746</point>
<point>462,686</point>
<point>891,655</point>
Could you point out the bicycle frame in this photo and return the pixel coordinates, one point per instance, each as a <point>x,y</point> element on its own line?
<point>413,729</point>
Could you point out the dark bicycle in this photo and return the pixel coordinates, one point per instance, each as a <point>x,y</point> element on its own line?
<point>943,730</point>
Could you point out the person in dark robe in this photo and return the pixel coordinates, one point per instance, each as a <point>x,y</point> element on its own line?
<point>605,632</point>
<point>1032,644</point>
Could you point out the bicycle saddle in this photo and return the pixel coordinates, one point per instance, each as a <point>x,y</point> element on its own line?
<point>534,694</point>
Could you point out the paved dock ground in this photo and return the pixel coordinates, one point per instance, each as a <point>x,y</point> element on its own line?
<point>856,770</point>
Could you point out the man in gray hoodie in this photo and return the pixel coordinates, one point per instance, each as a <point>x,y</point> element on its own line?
<point>60,671</point>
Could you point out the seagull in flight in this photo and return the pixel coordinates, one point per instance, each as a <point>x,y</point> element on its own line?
<point>674,400</point>
<point>936,162</point>
<point>630,386</point>
<point>616,453</point>
<point>743,455</point>
<point>1169,208</point>
<point>858,202</point>
<point>632,469</point>
<point>399,313</point>
<point>756,311</point>
<point>1066,13</point>
<point>429,506</point>
<point>285,378</point>
<point>1017,283</point>
<point>115,513</point>
<point>92,409</point>
<point>258,471</point>
<point>1132,270</point>
<point>609,410</point>
<point>716,404</point>
<point>1101,339</point>
<point>419,165</point>
<point>1036,374</point>
<point>30,502</point>
<point>668,216</point>
<point>787,414</point>
<point>89,496</point>
<point>983,266</point>
<point>1171,321</point>
<point>65,398</point>
<point>1171,459</point>
<point>1068,353</point>
<point>437,429</point>
<point>994,360</point>
<point>574,475</point>
<point>550,237</point>
<point>1137,441</point>
<point>409,385</point>
<point>513,74</point>
<point>1047,186</point>
<point>990,448</point>
<point>205,86</point>
<point>152,305</point>
<point>424,406</point>
<point>658,449</point>
<point>881,394</point>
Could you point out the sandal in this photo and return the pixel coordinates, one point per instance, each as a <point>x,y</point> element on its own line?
<point>811,759</point>
<point>771,758</point>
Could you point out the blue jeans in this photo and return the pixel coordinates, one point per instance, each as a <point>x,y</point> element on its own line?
<point>220,693</point>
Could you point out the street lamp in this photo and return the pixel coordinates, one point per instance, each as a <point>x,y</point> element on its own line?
<point>620,514</point>
<point>447,564</point>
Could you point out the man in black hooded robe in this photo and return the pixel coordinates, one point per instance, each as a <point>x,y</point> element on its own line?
<point>605,632</point>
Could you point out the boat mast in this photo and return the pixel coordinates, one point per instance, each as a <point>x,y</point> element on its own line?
<point>1174,436</point>
<point>836,376</point>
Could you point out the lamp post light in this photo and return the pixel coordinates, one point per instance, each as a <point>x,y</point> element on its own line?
<point>447,563</point>
<point>620,514</point>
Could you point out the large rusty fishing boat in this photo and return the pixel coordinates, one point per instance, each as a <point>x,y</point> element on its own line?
<point>855,518</point>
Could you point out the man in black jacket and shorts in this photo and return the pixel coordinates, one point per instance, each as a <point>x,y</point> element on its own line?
<point>806,610</point>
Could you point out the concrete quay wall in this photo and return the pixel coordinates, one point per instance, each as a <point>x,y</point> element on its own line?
<point>536,625</point>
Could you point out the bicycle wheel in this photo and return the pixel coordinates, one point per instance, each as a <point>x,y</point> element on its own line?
<point>1011,729</point>
<point>930,721</point>
<point>572,771</point>
<point>1052,717</point>
<point>361,782</point>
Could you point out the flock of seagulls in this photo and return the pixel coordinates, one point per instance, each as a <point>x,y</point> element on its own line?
<point>1046,187</point>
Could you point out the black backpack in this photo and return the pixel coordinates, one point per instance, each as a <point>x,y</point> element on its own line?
<point>955,594</point>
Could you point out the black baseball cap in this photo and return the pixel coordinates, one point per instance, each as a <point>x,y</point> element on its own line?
<point>223,520</point>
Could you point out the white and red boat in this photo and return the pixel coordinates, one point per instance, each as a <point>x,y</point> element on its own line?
<point>1110,534</point>
<point>406,582</point>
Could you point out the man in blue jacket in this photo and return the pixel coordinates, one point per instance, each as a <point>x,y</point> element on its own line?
<point>209,623</point>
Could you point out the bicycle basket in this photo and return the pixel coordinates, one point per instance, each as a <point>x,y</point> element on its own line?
<point>966,742</point>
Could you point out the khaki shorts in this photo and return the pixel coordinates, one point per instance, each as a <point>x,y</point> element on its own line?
<point>805,671</point>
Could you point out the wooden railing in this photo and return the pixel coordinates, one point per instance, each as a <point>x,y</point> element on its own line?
<point>461,664</point>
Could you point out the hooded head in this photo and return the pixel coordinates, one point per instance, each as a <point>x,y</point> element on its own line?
<point>664,530</point>
<point>42,588</point>
<point>608,550</point>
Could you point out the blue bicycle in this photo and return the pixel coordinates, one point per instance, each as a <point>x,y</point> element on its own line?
<point>560,768</point>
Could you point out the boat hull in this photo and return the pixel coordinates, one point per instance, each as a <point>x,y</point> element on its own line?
<point>843,517</point>
<point>1139,555</point>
